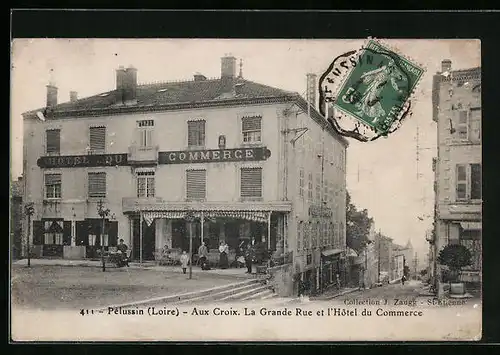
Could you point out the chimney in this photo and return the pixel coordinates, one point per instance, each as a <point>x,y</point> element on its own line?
<point>73,96</point>
<point>228,67</point>
<point>445,65</point>
<point>126,83</point>
<point>199,77</point>
<point>51,95</point>
<point>311,89</point>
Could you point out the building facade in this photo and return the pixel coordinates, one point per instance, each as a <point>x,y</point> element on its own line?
<point>457,168</point>
<point>240,157</point>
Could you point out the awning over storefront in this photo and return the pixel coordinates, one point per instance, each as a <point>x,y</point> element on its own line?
<point>331,252</point>
<point>471,225</point>
<point>256,216</point>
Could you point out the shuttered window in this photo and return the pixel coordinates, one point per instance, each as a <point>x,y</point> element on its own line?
<point>251,182</point>
<point>52,186</point>
<point>310,188</point>
<point>475,125</point>
<point>145,131</point>
<point>97,185</point>
<point>301,182</point>
<point>53,141</point>
<point>463,125</point>
<point>461,181</point>
<point>300,233</point>
<point>251,129</point>
<point>196,133</point>
<point>97,138</point>
<point>196,181</point>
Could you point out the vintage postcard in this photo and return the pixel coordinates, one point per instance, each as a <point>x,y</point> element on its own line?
<point>246,190</point>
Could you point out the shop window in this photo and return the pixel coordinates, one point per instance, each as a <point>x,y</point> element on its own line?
<point>251,129</point>
<point>196,133</point>
<point>53,140</point>
<point>53,186</point>
<point>53,233</point>
<point>471,239</point>
<point>251,182</point>
<point>97,185</point>
<point>97,139</point>
<point>196,181</point>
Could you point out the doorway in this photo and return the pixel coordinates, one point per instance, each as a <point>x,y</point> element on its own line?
<point>148,240</point>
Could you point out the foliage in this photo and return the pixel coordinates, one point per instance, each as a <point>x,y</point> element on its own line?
<point>423,272</point>
<point>455,256</point>
<point>358,225</point>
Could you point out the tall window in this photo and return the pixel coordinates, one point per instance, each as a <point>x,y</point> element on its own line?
<point>196,181</point>
<point>301,183</point>
<point>146,184</point>
<point>251,129</point>
<point>316,234</point>
<point>53,140</point>
<point>196,133</point>
<point>53,232</point>
<point>475,125</point>
<point>468,182</point>
<point>463,125</point>
<point>310,187</point>
<point>326,190</point>
<point>97,185</point>
<point>52,186</point>
<point>145,128</point>
<point>307,235</point>
<point>97,139</point>
<point>251,182</point>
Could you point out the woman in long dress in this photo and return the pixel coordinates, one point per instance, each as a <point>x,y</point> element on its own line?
<point>223,260</point>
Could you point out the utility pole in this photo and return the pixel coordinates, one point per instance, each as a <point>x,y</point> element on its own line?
<point>378,263</point>
<point>189,219</point>
<point>415,262</point>
<point>29,210</point>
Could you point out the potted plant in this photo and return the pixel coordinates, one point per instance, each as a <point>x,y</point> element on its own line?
<point>455,257</point>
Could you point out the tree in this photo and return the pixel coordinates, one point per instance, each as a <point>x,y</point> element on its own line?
<point>455,257</point>
<point>358,225</point>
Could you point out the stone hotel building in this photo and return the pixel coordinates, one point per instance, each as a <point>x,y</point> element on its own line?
<point>249,161</point>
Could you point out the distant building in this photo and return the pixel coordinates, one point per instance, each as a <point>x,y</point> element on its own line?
<point>457,167</point>
<point>384,249</point>
<point>16,217</point>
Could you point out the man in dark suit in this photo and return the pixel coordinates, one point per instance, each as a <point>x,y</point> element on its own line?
<point>249,258</point>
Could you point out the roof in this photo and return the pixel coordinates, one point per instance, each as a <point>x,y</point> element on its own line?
<point>161,94</point>
<point>181,95</point>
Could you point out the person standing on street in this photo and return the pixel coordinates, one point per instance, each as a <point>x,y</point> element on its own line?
<point>248,258</point>
<point>223,259</point>
<point>202,256</point>
<point>184,261</point>
<point>403,279</point>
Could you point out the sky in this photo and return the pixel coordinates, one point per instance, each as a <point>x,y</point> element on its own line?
<point>383,176</point>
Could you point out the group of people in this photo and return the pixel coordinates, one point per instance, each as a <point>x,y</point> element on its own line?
<point>244,255</point>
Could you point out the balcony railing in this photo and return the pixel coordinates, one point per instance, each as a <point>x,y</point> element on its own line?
<point>143,155</point>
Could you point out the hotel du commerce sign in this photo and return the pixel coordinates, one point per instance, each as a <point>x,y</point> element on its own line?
<point>172,157</point>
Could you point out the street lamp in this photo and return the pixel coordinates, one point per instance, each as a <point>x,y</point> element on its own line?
<point>29,210</point>
<point>103,213</point>
<point>189,217</point>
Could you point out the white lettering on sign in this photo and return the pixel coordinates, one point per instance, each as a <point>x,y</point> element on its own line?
<point>248,153</point>
<point>171,156</point>
<point>182,156</point>
<point>216,155</point>
<point>238,153</point>
<point>193,156</point>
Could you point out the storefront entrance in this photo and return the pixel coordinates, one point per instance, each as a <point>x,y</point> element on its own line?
<point>148,240</point>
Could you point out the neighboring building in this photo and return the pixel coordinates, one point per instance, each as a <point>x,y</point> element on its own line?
<point>16,218</point>
<point>457,112</point>
<point>384,249</point>
<point>229,150</point>
<point>407,255</point>
<point>398,264</point>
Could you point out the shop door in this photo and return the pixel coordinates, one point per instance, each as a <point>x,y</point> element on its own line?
<point>148,240</point>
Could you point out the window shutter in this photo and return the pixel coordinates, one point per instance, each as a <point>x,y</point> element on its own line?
<point>53,140</point>
<point>251,123</point>
<point>67,233</point>
<point>475,177</point>
<point>97,138</point>
<point>38,233</point>
<point>97,184</point>
<point>196,184</point>
<point>251,182</point>
<point>196,133</point>
<point>112,233</point>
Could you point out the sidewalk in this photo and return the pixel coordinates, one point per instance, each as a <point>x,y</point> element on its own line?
<point>333,293</point>
<point>146,265</point>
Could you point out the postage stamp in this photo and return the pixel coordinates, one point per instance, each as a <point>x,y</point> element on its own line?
<point>154,203</point>
<point>375,90</point>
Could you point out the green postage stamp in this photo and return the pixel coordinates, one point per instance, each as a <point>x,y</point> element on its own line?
<point>375,91</point>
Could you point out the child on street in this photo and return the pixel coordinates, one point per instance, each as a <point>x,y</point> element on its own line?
<point>184,261</point>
